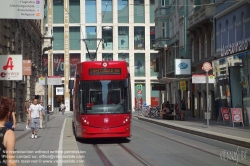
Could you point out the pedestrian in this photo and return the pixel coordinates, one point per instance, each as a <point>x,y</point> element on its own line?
<point>43,114</point>
<point>35,116</point>
<point>27,106</point>
<point>183,109</point>
<point>11,124</point>
<point>7,137</point>
<point>62,106</point>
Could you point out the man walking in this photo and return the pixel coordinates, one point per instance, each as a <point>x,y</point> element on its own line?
<point>43,113</point>
<point>27,106</point>
<point>62,106</point>
<point>35,115</point>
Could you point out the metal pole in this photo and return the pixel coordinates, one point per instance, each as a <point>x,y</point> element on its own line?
<point>207,98</point>
<point>45,101</point>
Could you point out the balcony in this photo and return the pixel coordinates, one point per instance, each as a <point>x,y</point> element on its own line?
<point>204,13</point>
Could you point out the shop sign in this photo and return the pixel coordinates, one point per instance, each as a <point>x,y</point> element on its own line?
<point>225,113</point>
<point>183,86</point>
<point>236,115</point>
<point>59,90</point>
<point>182,66</point>
<point>27,67</point>
<point>234,48</point>
<point>10,67</point>
<point>201,78</point>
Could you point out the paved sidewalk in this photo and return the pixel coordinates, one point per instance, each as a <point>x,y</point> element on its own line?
<point>237,135</point>
<point>55,145</point>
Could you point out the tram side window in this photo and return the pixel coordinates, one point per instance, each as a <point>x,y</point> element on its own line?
<point>81,98</point>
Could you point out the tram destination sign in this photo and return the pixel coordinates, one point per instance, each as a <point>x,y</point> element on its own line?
<point>105,71</point>
<point>158,87</point>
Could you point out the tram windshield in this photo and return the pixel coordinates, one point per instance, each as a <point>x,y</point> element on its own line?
<point>104,97</point>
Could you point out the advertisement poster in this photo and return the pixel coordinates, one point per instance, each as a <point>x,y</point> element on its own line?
<point>248,113</point>
<point>10,67</point>
<point>237,115</point>
<point>123,42</point>
<point>74,60</point>
<point>225,113</point>
<point>139,60</point>
<point>58,65</point>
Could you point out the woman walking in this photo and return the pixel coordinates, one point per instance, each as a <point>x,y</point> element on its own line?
<point>7,136</point>
<point>183,109</point>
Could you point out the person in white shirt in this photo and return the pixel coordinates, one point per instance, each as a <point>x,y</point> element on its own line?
<point>43,114</point>
<point>62,106</point>
<point>35,115</point>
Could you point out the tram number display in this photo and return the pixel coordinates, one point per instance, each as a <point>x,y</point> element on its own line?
<point>105,71</point>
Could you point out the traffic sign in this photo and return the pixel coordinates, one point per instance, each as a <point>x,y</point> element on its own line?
<point>206,66</point>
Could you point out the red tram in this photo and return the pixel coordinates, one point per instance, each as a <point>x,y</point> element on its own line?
<point>102,100</point>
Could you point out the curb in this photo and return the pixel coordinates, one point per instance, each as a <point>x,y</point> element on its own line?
<point>207,134</point>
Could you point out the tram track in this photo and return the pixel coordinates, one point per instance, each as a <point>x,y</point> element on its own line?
<point>107,162</point>
<point>190,145</point>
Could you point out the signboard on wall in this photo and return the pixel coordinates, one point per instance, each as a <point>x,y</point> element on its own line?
<point>27,67</point>
<point>201,78</point>
<point>10,67</point>
<point>158,87</point>
<point>32,9</point>
<point>59,91</point>
<point>182,66</point>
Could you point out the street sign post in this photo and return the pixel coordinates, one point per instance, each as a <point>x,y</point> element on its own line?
<point>207,66</point>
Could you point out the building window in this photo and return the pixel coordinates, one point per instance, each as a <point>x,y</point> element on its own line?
<point>58,34</point>
<point>152,11</point>
<point>227,32</point>
<point>139,38</point>
<point>192,50</point>
<point>123,57</point>
<point>242,26</point>
<point>74,35</point>
<point>91,34</point>
<point>107,36</point>
<point>58,12</point>
<point>107,57</point>
<point>181,32</point>
<point>212,43</point>
<point>153,57</point>
<point>123,38</point>
<point>74,11</point>
<point>235,29</point>
<point>163,30</point>
<point>107,12</point>
<point>199,48</point>
<point>90,11</point>
<point>205,46</point>
<point>163,3</point>
<point>139,11</point>
<point>170,27</point>
<point>152,38</point>
<point>139,60</point>
<point>123,11</point>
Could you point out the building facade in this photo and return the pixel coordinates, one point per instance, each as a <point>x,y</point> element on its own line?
<point>231,68</point>
<point>21,37</point>
<point>201,50</point>
<point>103,30</point>
<point>171,18</point>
